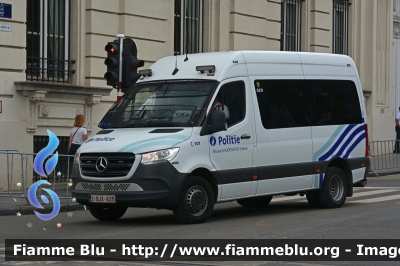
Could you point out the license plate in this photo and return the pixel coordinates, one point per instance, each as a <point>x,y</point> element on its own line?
<point>102,198</point>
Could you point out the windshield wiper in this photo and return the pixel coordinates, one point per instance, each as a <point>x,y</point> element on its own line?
<point>138,118</point>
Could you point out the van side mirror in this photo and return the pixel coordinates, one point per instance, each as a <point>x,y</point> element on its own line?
<point>215,122</point>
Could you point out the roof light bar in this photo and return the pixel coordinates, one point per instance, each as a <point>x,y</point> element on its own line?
<point>146,72</point>
<point>210,69</point>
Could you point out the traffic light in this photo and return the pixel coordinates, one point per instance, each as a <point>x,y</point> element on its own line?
<point>112,63</point>
<point>130,64</point>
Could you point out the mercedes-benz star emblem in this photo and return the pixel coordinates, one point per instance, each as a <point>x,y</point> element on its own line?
<point>101,164</point>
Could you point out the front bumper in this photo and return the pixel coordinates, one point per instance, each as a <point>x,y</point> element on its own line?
<point>152,186</point>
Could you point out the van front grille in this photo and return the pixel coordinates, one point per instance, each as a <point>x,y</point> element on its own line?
<point>113,164</point>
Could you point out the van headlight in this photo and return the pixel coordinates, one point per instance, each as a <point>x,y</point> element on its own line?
<point>159,156</point>
<point>77,156</point>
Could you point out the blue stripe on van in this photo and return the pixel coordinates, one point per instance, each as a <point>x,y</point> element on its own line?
<point>167,140</point>
<point>360,138</point>
<point>341,145</point>
<point>328,143</point>
<point>153,143</point>
<point>344,146</point>
<point>321,179</point>
<point>337,143</point>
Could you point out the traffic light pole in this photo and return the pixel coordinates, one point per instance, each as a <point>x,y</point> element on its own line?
<point>119,91</point>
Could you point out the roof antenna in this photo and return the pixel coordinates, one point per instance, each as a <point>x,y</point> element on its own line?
<point>186,55</point>
<point>176,65</point>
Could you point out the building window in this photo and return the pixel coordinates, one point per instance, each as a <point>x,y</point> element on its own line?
<point>396,9</point>
<point>340,25</point>
<point>291,25</point>
<point>188,26</point>
<point>47,40</point>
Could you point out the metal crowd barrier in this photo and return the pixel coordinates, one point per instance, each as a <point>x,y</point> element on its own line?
<point>18,174</point>
<point>384,154</point>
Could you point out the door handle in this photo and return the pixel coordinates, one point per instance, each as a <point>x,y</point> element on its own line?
<point>245,136</point>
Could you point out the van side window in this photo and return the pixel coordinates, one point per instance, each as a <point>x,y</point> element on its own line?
<point>234,97</point>
<point>283,103</point>
<point>302,103</point>
<point>335,102</point>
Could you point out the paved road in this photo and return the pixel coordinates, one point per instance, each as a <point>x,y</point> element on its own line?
<point>373,212</point>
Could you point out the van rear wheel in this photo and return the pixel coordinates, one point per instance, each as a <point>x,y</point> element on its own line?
<point>196,201</point>
<point>255,202</point>
<point>107,213</point>
<point>333,192</point>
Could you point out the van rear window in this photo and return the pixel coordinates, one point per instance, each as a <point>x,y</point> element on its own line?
<point>303,103</point>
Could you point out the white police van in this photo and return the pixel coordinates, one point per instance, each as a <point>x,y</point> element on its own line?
<point>288,123</point>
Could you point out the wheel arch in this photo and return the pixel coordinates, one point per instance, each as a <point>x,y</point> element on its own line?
<point>343,165</point>
<point>209,177</point>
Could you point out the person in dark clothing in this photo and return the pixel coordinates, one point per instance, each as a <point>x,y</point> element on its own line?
<point>397,128</point>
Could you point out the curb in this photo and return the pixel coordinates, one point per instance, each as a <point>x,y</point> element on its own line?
<point>7,211</point>
<point>379,174</point>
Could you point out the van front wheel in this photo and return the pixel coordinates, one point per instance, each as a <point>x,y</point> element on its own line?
<point>196,201</point>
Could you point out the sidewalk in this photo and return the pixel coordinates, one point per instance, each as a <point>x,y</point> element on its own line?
<point>12,205</point>
<point>377,173</point>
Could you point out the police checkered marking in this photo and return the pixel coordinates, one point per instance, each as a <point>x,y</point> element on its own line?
<point>91,186</point>
<point>116,187</point>
<point>108,186</point>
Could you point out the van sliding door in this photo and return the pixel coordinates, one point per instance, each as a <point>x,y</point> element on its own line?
<point>283,128</point>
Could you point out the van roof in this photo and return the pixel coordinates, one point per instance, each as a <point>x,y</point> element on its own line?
<point>233,64</point>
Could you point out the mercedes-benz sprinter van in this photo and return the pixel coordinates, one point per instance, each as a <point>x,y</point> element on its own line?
<point>215,127</point>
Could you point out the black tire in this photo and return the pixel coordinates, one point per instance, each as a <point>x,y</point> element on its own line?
<point>107,213</point>
<point>313,200</point>
<point>196,201</point>
<point>333,193</point>
<point>255,202</point>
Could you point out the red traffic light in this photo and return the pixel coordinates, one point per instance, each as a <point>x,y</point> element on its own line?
<point>112,62</point>
<point>111,48</point>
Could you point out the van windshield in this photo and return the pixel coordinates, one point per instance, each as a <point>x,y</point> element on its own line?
<point>161,104</point>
